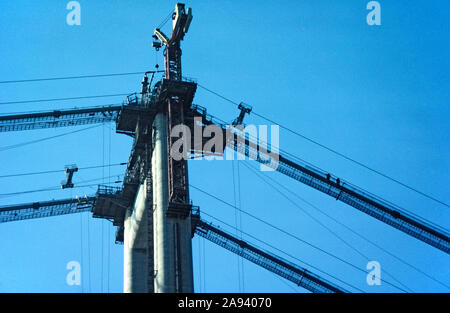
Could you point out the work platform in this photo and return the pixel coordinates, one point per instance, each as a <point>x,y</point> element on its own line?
<point>144,109</point>
<point>135,119</point>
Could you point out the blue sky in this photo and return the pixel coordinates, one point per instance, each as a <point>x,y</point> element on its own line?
<point>376,93</point>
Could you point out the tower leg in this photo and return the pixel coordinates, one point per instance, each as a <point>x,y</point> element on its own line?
<point>136,245</point>
<point>172,234</point>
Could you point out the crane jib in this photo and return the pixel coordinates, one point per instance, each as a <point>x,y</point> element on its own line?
<point>350,195</point>
<point>286,269</point>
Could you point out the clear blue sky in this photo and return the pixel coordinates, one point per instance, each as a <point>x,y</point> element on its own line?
<point>376,93</point>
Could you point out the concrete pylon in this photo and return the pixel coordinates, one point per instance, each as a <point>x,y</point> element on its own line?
<point>137,245</point>
<point>172,234</point>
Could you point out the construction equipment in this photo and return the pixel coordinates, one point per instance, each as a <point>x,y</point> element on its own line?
<point>245,109</point>
<point>69,169</point>
<point>292,272</point>
<point>152,210</point>
<point>283,268</point>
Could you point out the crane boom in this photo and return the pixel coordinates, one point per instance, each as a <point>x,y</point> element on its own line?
<point>292,272</point>
<point>45,209</point>
<point>275,264</point>
<point>59,118</point>
<point>345,192</point>
<point>349,194</point>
